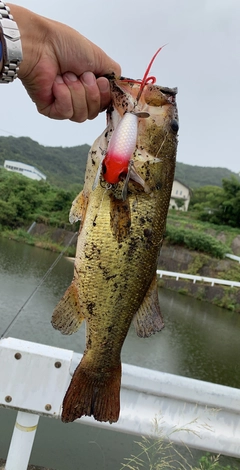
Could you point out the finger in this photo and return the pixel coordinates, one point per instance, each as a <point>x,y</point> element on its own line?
<point>61,107</point>
<point>78,97</point>
<point>104,89</point>
<point>92,93</point>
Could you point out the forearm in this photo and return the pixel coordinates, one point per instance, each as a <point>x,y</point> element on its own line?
<point>33,30</point>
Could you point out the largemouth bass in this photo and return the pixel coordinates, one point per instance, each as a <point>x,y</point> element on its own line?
<point>118,246</point>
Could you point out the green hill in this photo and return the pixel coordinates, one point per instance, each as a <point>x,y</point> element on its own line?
<point>195,176</point>
<point>65,166</point>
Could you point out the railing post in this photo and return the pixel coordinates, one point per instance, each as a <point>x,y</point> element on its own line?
<point>22,441</point>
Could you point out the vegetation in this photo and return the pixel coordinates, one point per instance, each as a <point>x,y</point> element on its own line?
<point>218,205</point>
<point>196,176</point>
<point>190,220</point>
<point>65,167</point>
<point>195,240</point>
<point>23,201</point>
<point>160,455</point>
<point>40,241</point>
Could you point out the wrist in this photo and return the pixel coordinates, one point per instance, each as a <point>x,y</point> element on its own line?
<point>33,31</point>
<point>10,45</point>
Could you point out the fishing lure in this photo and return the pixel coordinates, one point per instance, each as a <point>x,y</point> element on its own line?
<point>116,163</point>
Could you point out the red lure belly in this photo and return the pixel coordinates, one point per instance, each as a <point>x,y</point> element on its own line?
<point>120,149</point>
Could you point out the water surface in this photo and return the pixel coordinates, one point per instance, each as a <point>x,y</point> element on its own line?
<point>199,341</point>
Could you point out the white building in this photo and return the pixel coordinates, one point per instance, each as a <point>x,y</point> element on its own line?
<point>26,170</point>
<point>180,192</point>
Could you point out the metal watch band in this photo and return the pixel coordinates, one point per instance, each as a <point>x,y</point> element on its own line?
<point>11,45</point>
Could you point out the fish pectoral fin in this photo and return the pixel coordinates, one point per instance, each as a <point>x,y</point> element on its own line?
<point>134,176</point>
<point>67,317</point>
<point>78,209</point>
<point>93,392</point>
<point>148,319</point>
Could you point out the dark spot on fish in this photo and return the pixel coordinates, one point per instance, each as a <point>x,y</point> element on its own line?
<point>110,277</point>
<point>106,134</point>
<point>174,125</point>
<point>90,307</point>
<point>147,233</point>
<point>158,185</point>
<point>116,285</point>
<point>110,329</point>
<point>142,220</point>
<point>132,247</point>
<point>93,162</point>
<point>110,109</point>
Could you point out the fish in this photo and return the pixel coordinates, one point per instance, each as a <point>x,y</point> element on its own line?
<point>114,282</point>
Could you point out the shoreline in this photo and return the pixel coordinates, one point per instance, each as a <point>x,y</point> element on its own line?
<point>172,258</point>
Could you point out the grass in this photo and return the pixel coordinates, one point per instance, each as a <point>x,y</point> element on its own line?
<point>20,235</point>
<point>162,454</point>
<point>187,220</point>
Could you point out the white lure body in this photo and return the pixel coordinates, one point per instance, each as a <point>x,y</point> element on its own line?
<point>123,141</point>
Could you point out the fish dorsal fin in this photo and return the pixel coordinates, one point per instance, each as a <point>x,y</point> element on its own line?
<point>67,317</point>
<point>148,319</point>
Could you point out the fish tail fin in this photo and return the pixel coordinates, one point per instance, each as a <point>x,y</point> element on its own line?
<point>93,393</point>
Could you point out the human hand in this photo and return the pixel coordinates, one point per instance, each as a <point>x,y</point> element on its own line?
<point>62,71</point>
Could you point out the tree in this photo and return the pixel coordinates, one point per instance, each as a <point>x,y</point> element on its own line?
<point>206,198</point>
<point>23,200</point>
<point>219,205</point>
<point>179,203</point>
<point>229,211</point>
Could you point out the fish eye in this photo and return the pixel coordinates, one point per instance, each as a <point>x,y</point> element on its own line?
<point>174,125</point>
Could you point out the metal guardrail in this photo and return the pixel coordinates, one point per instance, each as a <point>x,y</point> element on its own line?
<point>234,257</point>
<point>199,414</point>
<point>194,278</point>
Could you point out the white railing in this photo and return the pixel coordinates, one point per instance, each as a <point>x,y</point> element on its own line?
<point>194,278</point>
<point>199,414</point>
<point>234,257</point>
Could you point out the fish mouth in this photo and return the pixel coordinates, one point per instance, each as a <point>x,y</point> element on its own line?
<point>125,92</point>
<point>165,90</point>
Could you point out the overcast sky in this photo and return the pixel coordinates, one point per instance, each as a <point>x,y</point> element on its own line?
<point>202,58</point>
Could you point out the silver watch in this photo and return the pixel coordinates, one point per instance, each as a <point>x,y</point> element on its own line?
<point>10,45</point>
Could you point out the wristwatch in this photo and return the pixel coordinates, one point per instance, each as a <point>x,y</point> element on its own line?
<point>10,45</point>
